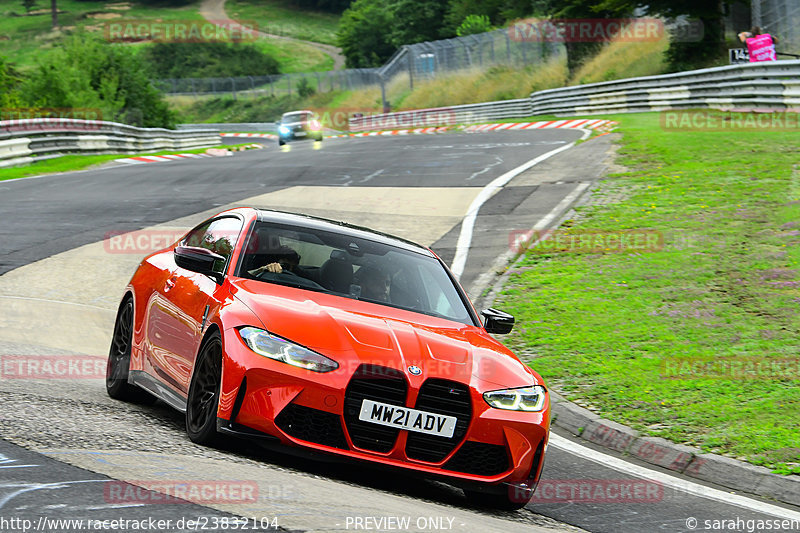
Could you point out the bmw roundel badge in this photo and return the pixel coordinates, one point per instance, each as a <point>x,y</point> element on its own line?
<point>415,370</point>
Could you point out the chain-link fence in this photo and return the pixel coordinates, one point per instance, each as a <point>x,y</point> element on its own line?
<point>300,83</point>
<point>780,18</point>
<point>410,63</point>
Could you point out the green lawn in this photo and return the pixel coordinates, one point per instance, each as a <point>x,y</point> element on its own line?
<point>281,18</point>
<point>295,57</point>
<point>609,330</point>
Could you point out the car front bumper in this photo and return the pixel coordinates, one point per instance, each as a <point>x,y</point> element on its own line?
<point>317,412</point>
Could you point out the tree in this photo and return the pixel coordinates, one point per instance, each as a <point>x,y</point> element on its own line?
<point>688,54</point>
<point>578,52</point>
<point>28,5</point>
<point>363,34</point>
<point>683,54</point>
<point>415,21</point>
<point>498,11</point>
<point>474,24</point>
<point>54,11</point>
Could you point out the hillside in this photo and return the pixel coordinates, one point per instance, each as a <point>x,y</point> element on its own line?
<point>25,36</point>
<point>614,61</point>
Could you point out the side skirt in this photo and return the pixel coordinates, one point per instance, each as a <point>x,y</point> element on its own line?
<point>156,388</point>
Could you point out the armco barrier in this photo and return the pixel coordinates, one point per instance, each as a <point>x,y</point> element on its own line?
<point>752,86</point>
<point>24,141</point>
<point>234,127</point>
<point>444,116</point>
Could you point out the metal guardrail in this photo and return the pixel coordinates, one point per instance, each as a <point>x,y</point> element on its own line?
<point>773,86</point>
<point>768,85</point>
<point>444,116</point>
<point>28,140</point>
<point>240,127</point>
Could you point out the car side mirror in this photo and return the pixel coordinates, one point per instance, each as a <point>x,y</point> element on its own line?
<point>497,321</point>
<point>200,260</point>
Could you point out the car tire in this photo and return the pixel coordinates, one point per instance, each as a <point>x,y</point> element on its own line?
<point>496,499</point>
<point>319,139</point>
<point>203,398</point>
<point>281,142</point>
<point>119,359</point>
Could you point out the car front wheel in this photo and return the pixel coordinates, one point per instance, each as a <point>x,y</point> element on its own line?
<point>203,400</point>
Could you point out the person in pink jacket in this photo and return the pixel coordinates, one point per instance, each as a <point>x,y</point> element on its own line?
<point>760,46</point>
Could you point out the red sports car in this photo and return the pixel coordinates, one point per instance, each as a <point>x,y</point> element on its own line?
<point>332,338</point>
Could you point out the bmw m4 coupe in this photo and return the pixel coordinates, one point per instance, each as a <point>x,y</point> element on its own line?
<point>333,339</point>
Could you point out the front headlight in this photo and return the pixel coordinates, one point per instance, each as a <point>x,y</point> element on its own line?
<point>522,399</point>
<point>264,343</point>
<point>283,130</point>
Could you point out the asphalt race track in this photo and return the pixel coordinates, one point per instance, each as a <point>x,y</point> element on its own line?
<point>65,442</point>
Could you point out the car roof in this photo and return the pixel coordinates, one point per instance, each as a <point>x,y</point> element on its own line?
<point>339,227</point>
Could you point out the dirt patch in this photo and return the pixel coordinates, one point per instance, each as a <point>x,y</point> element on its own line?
<point>103,16</point>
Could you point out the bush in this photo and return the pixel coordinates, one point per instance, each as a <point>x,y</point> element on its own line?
<point>208,60</point>
<point>304,89</point>
<point>89,73</point>
<point>474,24</point>
<point>9,81</point>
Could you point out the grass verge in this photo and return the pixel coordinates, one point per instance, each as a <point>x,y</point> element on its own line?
<point>623,59</point>
<point>280,17</point>
<point>70,163</point>
<point>643,338</point>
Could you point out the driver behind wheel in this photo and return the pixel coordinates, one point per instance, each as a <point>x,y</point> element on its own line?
<point>283,260</point>
<point>374,283</point>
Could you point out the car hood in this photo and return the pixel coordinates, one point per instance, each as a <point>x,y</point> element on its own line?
<point>354,332</point>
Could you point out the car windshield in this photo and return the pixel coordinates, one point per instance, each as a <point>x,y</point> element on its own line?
<point>351,267</point>
<point>295,117</point>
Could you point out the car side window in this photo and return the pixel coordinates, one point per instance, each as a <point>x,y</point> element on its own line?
<point>218,235</point>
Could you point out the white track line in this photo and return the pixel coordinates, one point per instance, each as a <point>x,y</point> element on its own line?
<point>468,224</point>
<point>667,480</point>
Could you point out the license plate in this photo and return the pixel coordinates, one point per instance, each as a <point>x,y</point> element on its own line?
<point>299,134</point>
<point>406,418</point>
